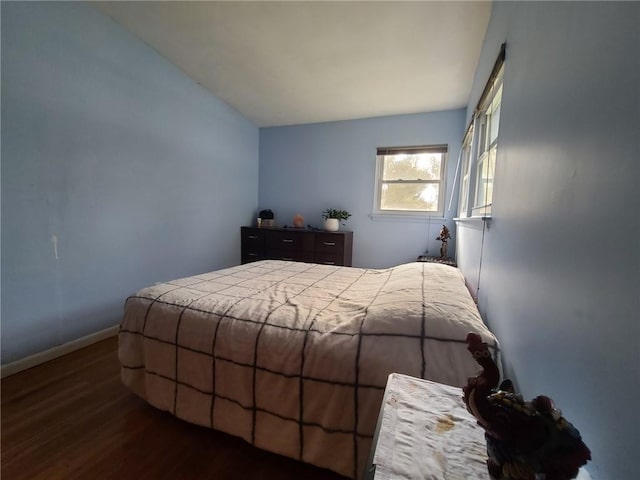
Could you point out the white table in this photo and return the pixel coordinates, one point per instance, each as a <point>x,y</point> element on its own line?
<point>424,432</point>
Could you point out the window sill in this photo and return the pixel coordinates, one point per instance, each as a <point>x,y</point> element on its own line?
<point>477,223</point>
<point>472,219</point>
<point>399,217</point>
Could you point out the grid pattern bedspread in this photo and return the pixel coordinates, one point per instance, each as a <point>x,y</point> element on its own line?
<point>294,357</point>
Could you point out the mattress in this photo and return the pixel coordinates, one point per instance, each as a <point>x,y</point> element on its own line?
<point>294,357</point>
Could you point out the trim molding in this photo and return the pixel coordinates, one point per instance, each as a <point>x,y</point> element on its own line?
<point>417,218</point>
<point>58,351</point>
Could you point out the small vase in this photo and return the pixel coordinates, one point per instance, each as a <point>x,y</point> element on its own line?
<point>331,224</point>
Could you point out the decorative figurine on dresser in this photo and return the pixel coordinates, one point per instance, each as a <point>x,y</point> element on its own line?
<point>444,237</point>
<point>525,440</point>
<point>266,218</point>
<point>298,221</point>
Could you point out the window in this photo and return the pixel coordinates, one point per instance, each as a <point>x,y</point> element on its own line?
<point>480,148</point>
<point>466,175</point>
<point>410,180</point>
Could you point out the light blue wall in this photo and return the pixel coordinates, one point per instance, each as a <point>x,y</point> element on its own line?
<point>135,171</point>
<point>308,168</point>
<point>560,282</point>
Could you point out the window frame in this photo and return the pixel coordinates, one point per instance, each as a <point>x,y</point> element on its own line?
<point>476,199</point>
<point>466,171</point>
<point>383,152</point>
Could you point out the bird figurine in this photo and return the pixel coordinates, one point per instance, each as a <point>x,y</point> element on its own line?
<point>525,440</point>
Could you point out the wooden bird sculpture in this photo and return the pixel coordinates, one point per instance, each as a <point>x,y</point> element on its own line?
<point>523,438</point>
<point>444,237</point>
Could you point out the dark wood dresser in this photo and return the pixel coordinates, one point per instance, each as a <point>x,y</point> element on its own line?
<point>299,245</point>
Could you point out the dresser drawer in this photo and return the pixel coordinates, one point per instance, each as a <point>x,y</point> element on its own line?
<point>329,258</point>
<point>290,255</point>
<point>282,240</point>
<point>252,243</point>
<point>252,238</point>
<point>248,257</point>
<point>329,243</point>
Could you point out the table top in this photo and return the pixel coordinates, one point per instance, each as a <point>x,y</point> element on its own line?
<point>425,432</point>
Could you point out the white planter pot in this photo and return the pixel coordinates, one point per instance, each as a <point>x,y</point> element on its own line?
<point>331,224</point>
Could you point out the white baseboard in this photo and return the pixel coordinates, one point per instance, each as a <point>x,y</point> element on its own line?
<point>55,352</point>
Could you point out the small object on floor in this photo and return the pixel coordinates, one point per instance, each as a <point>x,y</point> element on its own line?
<point>430,259</point>
<point>523,438</point>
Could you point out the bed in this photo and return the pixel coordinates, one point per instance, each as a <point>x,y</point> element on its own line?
<point>294,357</point>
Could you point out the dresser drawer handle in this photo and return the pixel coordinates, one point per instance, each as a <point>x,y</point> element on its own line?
<point>329,263</point>
<point>286,258</point>
<point>252,254</point>
<point>252,237</point>
<point>287,240</point>
<point>329,244</point>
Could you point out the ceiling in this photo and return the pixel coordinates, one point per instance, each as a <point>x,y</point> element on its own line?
<point>284,63</point>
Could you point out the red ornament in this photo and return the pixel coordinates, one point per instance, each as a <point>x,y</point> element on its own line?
<point>298,221</point>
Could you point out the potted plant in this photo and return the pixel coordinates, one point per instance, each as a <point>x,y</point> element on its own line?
<point>266,218</point>
<point>332,218</point>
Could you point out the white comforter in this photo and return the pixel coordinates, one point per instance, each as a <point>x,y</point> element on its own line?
<point>293,357</point>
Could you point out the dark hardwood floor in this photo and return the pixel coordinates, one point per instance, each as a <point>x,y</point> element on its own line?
<point>71,418</point>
